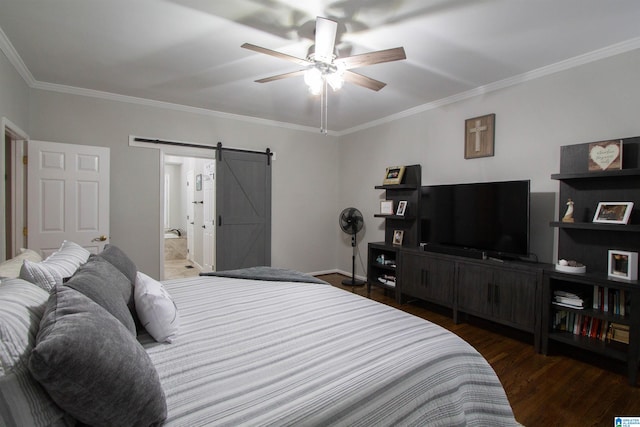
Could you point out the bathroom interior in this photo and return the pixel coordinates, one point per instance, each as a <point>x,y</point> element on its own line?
<point>188,219</point>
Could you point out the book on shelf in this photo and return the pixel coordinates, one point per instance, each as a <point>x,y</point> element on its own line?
<point>618,332</point>
<point>387,280</point>
<point>568,299</point>
<point>589,326</point>
<point>609,300</point>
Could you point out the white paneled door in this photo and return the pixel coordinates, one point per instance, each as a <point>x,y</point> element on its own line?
<point>67,196</point>
<point>190,179</point>
<point>209,217</point>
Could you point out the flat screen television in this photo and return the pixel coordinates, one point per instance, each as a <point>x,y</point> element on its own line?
<point>477,219</point>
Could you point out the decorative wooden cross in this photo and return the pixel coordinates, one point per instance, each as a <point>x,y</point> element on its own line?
<point>479,136</point>
<point>477,130</point>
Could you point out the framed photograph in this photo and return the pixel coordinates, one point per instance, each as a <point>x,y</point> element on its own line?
<point>198,182</point>
<point>623,265</point>
<point>397,237</point>
<point>605,155</point>
<point>393,175</point>
<point>386,207</point>
<point>402,206</point>
<point>613,212</point>
<point>479,136</point>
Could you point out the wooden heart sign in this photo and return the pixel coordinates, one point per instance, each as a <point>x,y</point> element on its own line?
<point>605,155</point>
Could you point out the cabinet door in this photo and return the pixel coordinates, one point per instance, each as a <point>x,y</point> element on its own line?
<point>514,298</point>
<point>427,278</point>
<point>475,290</point>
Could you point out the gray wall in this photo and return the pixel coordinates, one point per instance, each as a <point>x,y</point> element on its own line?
<point>14,106</point>
<point>14,94</point>
<point>304,194</point>
<point>314,176</point>
<point>593,102</point>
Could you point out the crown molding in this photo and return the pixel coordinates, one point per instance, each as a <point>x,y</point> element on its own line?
<point>73,90</point>
<point>609,51</point>
<point>15,59</point>
<point>606,52</point>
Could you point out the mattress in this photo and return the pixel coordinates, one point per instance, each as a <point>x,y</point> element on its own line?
<point>255,352</point>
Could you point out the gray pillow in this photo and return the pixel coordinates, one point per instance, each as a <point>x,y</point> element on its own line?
<point>92,367</point>
<point>107,286</point>
<point>120,260</point>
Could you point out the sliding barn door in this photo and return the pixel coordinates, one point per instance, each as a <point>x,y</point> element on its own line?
<point>243,204</point>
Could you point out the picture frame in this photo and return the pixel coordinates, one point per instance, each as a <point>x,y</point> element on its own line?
<point>393,175</point>
<point>398,235</point>
<point>623,265</point>
<point>386,207</point>
<point>613,212</point>
<point>605,155</point>
<point>479,139</point>
<point>402,207</point>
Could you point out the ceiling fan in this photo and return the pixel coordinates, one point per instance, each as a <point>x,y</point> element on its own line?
<point>323,68</point>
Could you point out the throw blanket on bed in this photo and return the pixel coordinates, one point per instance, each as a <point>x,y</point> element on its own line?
<point>262,353</point>
<point>267,273</point>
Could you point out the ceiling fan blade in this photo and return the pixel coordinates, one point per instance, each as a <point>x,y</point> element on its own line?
<point>325,39</point>
<point>276,54</point>
<point>363,81</point>
<point>371,58</point>
<point>281,76</point>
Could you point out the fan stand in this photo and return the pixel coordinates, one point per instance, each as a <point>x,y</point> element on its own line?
<point>353,281</point>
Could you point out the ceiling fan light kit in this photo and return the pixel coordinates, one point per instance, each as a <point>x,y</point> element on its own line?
<point>323,68</point>
<point>316,74</point>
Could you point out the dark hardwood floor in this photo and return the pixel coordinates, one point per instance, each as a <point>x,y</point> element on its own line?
<point>564,388</point>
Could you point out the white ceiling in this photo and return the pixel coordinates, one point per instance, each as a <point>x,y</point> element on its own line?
<point>187,52</point>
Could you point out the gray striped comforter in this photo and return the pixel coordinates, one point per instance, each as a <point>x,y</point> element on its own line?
<point>281,353</point>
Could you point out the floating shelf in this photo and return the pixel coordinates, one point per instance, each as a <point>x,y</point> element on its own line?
<point>634,228</point>
<point>597,175</point>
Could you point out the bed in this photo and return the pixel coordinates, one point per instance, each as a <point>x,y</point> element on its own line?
<point>250,351</point>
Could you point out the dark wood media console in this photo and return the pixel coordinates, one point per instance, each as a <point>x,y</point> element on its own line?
<point>505,292</point>
<point>521,294</point>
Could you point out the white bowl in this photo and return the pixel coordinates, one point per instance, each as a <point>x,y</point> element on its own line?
<point>570,269</point>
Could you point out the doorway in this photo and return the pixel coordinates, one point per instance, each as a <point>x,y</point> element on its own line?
<point>189,207</point>
<point>12,194</point>
<point>241,203</point>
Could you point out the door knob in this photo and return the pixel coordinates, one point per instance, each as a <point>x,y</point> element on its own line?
<point>100,239</point>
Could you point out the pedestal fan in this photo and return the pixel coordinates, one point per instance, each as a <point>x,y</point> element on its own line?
<point>351,222</point>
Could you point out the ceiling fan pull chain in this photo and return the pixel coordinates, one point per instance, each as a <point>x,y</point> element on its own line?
<point>323,107</point>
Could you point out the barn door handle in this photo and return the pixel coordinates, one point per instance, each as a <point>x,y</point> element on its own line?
<point>100,238</point>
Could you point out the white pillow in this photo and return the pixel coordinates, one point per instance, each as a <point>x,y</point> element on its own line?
<point>11,267</point>
<point>155,308</point>
<point>59,265</point>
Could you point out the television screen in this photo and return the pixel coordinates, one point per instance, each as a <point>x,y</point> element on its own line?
<point>490,217</point>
